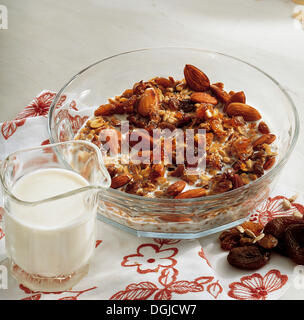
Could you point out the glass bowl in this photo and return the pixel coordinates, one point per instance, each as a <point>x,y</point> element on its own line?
<point>175,218</point>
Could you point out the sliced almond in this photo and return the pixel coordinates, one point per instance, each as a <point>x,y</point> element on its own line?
<point>258,238</point>
<point>240,229</point>
<point>250,233</point>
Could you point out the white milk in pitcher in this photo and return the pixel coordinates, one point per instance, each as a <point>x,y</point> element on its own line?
<point>55,238</point>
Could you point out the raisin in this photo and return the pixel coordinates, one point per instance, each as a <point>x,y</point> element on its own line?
<point>277,226</point>
<point>186,105</point>
<point>173,104</point>
<point>248,257</point>
<point>294,241</point>
<point>268,242</point>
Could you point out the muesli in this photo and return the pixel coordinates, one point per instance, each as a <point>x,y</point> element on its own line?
<point>236,142</point>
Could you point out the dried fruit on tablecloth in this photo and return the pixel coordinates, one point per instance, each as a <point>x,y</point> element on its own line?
<point>248,257</point>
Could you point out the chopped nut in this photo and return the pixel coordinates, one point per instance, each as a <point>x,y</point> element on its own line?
<point>240,229</point>
<point>298,214</point>
<point>293,198</point>
<point>250,233</point>
<point>286,204</point>
<point>258,238</point>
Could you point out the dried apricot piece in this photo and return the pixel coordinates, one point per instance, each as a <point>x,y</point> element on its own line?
<point>248,257</point>
<point>277,226</point>
<point>294,242</point>
<point>230,239</point>
<point>255,227</point>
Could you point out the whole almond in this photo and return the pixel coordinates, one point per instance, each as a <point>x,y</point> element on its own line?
<point>193,193</point>
<point>271,138</point>
<point>163,82</point>
<point>105,110</point>
<point>176,188</point>
<point>241,109</point>
<point>222,95</point>
<point>235,97</point>
<point>203,97</point>
<point>238,97</point>
<point>237,181</point>
<point>269,163</point>
<point>196,79</point>
<point>262,139</point>
<point>148,102</point>
<point>120,181</point>
<point>265,138</point>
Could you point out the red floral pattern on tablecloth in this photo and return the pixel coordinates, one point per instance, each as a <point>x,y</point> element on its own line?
<point>272,208</point>
<point>168,283</point>
<point>257,287</point>
<point>38,107</point>
<point>149,258</point>
<point>37,295</point>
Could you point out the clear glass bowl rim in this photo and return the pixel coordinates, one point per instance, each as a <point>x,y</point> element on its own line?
<point>231,193</point>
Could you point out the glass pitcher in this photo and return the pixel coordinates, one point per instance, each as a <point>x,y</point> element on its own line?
<point>47,253</point>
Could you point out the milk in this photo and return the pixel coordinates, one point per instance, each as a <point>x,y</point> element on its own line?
<point>55,237</point>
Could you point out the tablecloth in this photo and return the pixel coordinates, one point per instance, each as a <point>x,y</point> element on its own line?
<point>126,267</point>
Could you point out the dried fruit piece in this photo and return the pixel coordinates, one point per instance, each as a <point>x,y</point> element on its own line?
<point>193,193</point>
<point>241,109</point>
<point>196,79</point>
<point>157,171</point>
<point>203,97</point>
<point>120,181</point>
<point>230,239</point>
<point>148,102</point>
<point>105,110</point>
<point>268,241</point>
<point>263,128</point>
<point>248,257</point>
<point>176,188</point>
<point>255,227</point>
<point>294,242</point>
<point>277,226</point>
